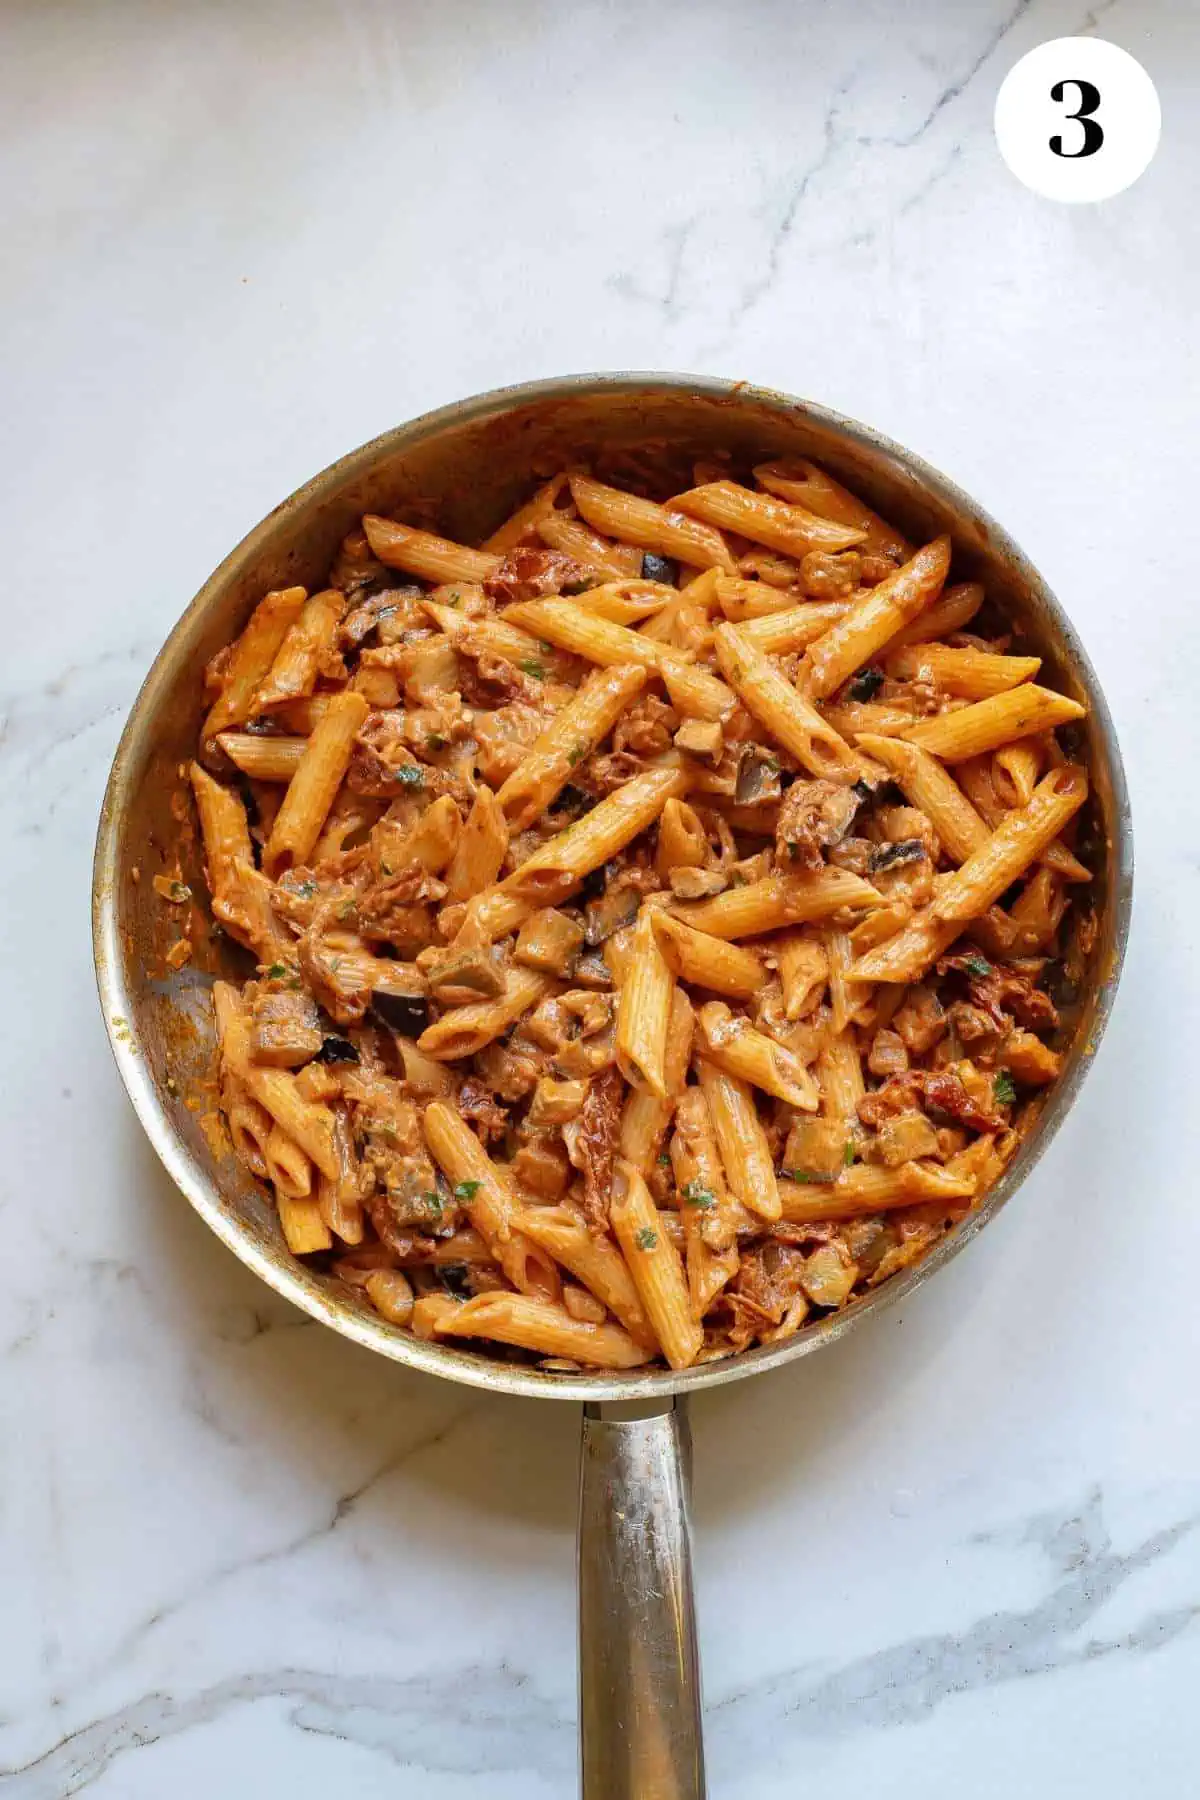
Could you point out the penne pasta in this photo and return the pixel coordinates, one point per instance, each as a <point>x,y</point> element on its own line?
<point>866,1188</point>
<point>464,1030</point>
<point>734,1046</point>
<point>293,673</point>
<point>225,831</point>
<point>313,786</point>
<point>931,788</point>
<point>682,840</point>
<point>840,1077</point>
<point>422,553</point>
<point>251,657</point>
<point>495,636</point>
<point>657,1271</point>
<point>956,607</point>
<point>520,526</point>
<point>572,536</point>
<point>741,599</point>
<point>563,622</point>
<point>555,870</point>
<point>1012,847</point>
<point>764,519</point>
<point>971,674</point>
<point>263,758</point>
<point>788,715</point>
<point>568,740</point>
<point>643,1011</point>
<point>779,633</point>
<point>489,1202</point>
<point>665,530</point>
<point>480,852</point>
<point>971,730</point>
<point>540,1325</point>
<point>709,1213</point>
<point>741,1140</point>
<point>593,1260</point>
<point>807,484</point>
<point>875,618</point>
<point>777,900</point>
<point>707,961</point>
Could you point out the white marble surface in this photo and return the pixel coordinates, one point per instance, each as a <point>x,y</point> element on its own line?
<point>957,1555</point>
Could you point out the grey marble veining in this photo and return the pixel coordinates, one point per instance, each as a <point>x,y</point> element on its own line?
<point>956,1555</point>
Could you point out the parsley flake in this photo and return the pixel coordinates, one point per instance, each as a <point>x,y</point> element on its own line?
<point>696,1195</point>
<point>798,1175</point>
<point>276,972</point>
<point>467,1190</point>
<point>977,965</point>
<point>646,1238</point>
<point>434,1203</point>
<point>1004,1088</point>
<point>410,775</point>
<point>536,669</point>
<point>664,1158</point>
<point>848,1155</point>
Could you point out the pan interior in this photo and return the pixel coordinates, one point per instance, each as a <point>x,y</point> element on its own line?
<point>465,468</point>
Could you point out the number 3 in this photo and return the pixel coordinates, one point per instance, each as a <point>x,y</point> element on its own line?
<point>1093,131</point>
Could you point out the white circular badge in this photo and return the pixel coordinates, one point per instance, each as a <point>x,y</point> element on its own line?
<point>1077,119</point>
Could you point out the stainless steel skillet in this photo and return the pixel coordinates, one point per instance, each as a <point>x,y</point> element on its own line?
<point>639,1668</point>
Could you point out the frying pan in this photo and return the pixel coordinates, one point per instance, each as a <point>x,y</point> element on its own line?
<point>640,1724</point>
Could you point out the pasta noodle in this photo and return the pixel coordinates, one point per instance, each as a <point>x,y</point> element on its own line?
<point>609,1008</point>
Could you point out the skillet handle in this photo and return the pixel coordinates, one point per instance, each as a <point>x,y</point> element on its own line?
<point>639,1667</point>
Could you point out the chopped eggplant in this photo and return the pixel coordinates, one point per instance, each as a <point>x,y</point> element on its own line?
<point>592,972</point>
<point>659,568</point>
<point>608,914</point>
<point>405,1013</point>
<point>891,856</point>
<point>336,1049</point>
<point>757,777</point>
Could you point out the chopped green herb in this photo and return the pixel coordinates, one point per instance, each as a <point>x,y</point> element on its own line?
<point>434,1203</point>
<point>576,753</point>
<point>646,1238</point>
<point>306,889</point>
<point>1004,1088</point>
<point>664,1157</point>
<point>798,1175</point>
<point>866,684</point>
<point>410,775</point>
<point>545,648</point>
<point>977,965</point>
<point>467,1190</point>
<point>346,909</point>
<point>179,892</point>
<point>533,668</point>
<point>277,971</point>
<point>695,1194</point>
<point>848,1154</point>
